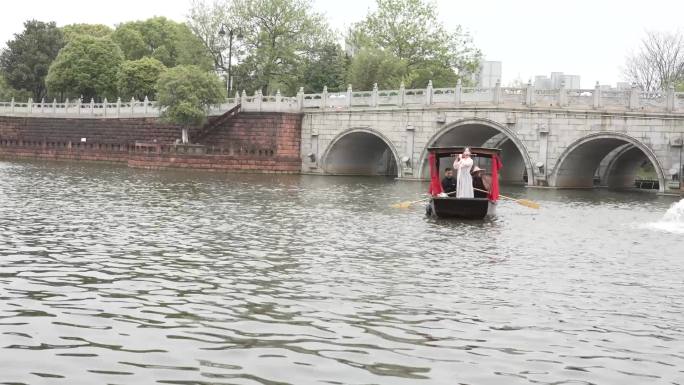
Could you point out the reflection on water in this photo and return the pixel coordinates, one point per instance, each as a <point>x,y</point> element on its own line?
<point>113,275</point>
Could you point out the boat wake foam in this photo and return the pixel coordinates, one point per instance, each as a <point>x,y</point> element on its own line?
<point>673,220</point>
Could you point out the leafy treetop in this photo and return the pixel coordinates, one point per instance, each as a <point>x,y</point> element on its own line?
<point>165,40</point>
<point>138,78</point>
<point>95,30</point>
<point>410,31</point>
<point>186,93</point>
<point>87,66</point>
<point>25,61</point>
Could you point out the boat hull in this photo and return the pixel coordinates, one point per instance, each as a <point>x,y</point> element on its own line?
<point>463,208</point>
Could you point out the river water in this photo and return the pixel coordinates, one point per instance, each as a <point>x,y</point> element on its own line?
<point>110,275</point>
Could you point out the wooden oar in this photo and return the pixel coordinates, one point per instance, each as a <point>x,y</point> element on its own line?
<point>407,204</point>
<point>523,202</point>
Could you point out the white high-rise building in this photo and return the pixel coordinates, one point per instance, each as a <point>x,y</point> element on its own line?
<point>542,82</point>
<point>555,80</point>
<point>489,74</point>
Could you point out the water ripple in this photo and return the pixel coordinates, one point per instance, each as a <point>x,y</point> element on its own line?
<point>112,275</point>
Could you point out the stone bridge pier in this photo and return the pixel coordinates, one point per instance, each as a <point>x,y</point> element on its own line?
<point>555,147</point>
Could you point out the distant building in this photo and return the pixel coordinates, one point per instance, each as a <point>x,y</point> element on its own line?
<point>555,80</point>
<point>489,74</point>
<point>619,86</point>
<point>542,82</point>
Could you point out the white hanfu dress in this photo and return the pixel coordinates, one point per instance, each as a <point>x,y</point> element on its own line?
<point>464,182</point>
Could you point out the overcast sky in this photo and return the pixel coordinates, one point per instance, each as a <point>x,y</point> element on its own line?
<point>589,38</point>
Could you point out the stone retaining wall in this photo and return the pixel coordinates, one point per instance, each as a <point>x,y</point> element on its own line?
<point>250,142</point>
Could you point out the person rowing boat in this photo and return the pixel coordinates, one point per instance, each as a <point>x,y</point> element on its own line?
<point>481,182</point>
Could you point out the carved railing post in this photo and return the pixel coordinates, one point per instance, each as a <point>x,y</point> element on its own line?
<point>458,92</point>
<point>497,93</point>
<point>597,96</point>
<point>132,105</point>
<point>92,106</point>
<point>104,107</point>
<point>428,94</point>
<point>258,99</point>
<point>30,105</point>
<point>54,105</point>
<point>118,107</point>
<point>42,106</point>
<point>670,101</point>
<point>374,96</point>
<point>278,101</point>
<point>562,95</point>
<point>12,105</point>
<point>402,94</point>
<point>243,99</point>
<point>349,96</point>
<point>529,94</point>
<point>66,106</point>
<point>147,103</point>
<point>634,98</point>
<point>78,106</point>
<point>324,98</point>
<point>300,99</point>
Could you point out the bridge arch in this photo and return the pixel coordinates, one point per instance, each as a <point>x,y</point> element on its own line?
<point>479,132</point>
<point>361,151</point>
<point>578,164</point>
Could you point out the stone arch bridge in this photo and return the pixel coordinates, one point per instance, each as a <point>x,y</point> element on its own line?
<point>565,139</point>
<point>574,138</point>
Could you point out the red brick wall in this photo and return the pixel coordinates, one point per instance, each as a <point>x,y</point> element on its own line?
<point>111,155</point>
<point>250,142</point>
<point>252,133</point>
<point>120,131</point>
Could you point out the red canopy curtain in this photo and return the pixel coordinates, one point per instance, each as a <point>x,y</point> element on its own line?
<point>435,183</point>
<point>494,189</point>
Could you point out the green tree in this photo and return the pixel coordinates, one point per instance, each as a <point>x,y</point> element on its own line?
<point>205,21</point>
<point>95,30</point>
<point>190,50</point>
<point>165,40</point>
<point>372,66</point>
<point>324,67</point>
<point>278,38</point>
<point>138,78</point>
<point>441,76</point>
<point>131,41</point>
<point>26,59</point>
<point>279,35</point>
<point>186,93</point>
<point>409,30</point>
<point>7,92</point>
<point>87,67</point>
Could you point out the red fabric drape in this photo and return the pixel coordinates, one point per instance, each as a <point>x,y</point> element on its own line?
<point>494,189</point>
<point>435,183</point>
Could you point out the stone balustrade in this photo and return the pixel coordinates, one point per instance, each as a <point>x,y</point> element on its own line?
<point>667,101</point>
<point>79,109</point>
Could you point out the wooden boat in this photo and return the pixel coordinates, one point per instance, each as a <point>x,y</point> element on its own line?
<point>464,208</point>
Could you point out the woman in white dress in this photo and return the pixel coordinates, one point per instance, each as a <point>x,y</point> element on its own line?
<point>464,182</point>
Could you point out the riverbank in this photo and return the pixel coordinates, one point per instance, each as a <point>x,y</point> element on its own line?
<point>248,142</point>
